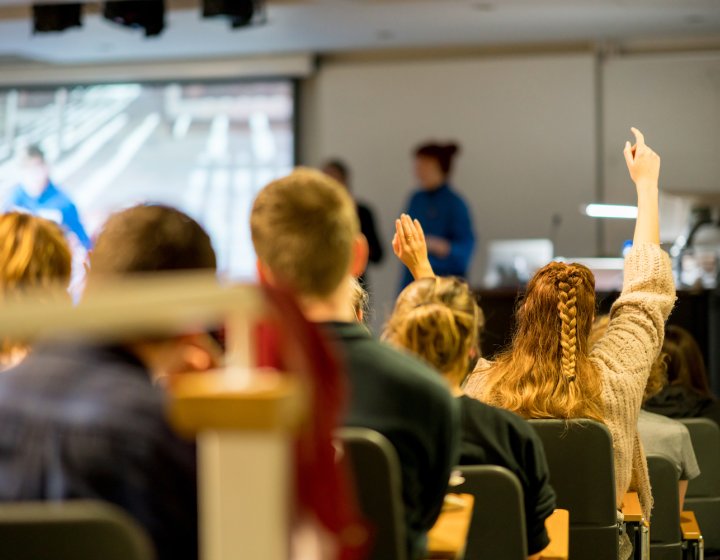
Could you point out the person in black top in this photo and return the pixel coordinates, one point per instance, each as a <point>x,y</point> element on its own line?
<point>307,237</point>
<point>87,421</point>
<point>338,170</point>
<point>439,320</point>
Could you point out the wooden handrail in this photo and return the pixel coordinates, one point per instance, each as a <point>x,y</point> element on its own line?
<point>632,511</point>
<point>558,528</point>
<point>261,400</point>
<point>689,526</point>
<point>446,540</point>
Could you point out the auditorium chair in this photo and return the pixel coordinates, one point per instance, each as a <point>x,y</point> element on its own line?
<point>703,493</point>
<point>376,470</point>
<point>665,535</point>
<point>580,458</point>
<point>673,536</point>
<point>497,529</point>
<point>73,530</point>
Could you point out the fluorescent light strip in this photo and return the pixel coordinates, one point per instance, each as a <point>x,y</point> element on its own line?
<point>611,211</point>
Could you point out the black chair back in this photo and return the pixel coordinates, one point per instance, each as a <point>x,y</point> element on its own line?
<point>378,483</point>
<point>703,493</point>
<point>580,458</point>
<point>497,529</point>
<point>73,530</point>
<point>665,534</point>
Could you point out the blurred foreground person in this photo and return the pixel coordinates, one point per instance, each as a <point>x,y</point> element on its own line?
<point>35,261</point>
<point>85,421</point>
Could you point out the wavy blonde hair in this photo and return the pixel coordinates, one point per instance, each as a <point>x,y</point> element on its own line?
<point>546,372</point>
<point>35,261</point>
<point>439,320</point>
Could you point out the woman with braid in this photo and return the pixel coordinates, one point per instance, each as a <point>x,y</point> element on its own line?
<point>549,371</point>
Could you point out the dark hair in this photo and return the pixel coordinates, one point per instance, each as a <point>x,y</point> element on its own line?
<point>685,365</point>
<point>442,153</point>
<point>340,166</point>
<point>34,151</point>
<point>151,238</point>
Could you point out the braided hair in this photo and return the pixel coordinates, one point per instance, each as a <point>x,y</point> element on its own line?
<point>546,371</point>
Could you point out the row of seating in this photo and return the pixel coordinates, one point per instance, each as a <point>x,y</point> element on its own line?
<point>579,455</point>
<point>580,459</point>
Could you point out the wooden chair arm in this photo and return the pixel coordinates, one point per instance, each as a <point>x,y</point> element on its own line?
<point>447,538</point>
<point>558,528</point>
<point>631,508</point>
<point>689,526</point>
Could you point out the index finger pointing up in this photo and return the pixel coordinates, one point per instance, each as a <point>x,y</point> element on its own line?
<point>639,137</point>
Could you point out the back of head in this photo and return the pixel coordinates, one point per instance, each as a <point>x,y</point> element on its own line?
<point>685,364</point>
<point>338,170</point>
<point>303,228</point>
<point>546,373</point>
<point>444,154</point>
<point>151,238</point>
<point>34,256</point>
<point>439,320</point>
<point>35,262</point>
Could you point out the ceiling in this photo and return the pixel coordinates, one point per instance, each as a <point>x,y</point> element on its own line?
<point>329,26</point>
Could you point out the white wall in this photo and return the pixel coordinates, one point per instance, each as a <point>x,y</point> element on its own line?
<point>526,125</point>
<point>675,100</point>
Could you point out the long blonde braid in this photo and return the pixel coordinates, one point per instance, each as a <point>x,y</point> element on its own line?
<point>567,307</point>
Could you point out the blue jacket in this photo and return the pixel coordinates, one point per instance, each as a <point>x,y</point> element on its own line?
<point>443,213</point>
<point>54,205</point>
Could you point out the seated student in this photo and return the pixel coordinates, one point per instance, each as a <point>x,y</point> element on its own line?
<point>550,371</point>
<point>439,320</point>
<point>34,259</point>
<point>307,238</point>
<point>85,421</point>
<point>660,435</point>
<point>688,393</point>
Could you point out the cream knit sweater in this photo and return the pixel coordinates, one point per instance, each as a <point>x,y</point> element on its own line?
<point>623,357</point>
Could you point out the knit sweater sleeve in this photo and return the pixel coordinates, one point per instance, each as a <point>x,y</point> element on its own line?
<point>637,319</point>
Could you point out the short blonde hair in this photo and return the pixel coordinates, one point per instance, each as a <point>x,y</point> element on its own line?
<point>34,255</point>
<point>439,320</point>
<point>303,227</point>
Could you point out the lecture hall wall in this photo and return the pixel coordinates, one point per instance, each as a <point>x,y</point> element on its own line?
<point>528,125</point>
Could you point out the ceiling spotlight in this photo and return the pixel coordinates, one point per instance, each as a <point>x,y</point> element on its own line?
<point>241,13</point>
<point>148,15</point>
<point>48,18</point>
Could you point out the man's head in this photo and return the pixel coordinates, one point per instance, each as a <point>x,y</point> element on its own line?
<point>338,170</point>
<point>307,235</point>
<point>34,173</point>
<point>147,239</point>
<point>151,238</point>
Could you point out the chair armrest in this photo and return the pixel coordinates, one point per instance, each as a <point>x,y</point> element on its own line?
<point>558,528</point>
<point>631,508</point>
<point>689,526</point>
<point>447,538</point>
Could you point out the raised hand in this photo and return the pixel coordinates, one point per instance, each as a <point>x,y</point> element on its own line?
<point>642,163</point>
<point>644,167</point>
<point>410,247</point>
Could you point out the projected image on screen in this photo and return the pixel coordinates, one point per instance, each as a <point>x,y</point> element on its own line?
<point>203,148</point>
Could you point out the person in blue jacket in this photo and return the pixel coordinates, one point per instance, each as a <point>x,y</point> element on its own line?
<point>36,194</point>
<point>444,214</point>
